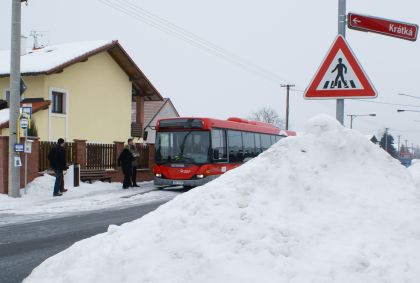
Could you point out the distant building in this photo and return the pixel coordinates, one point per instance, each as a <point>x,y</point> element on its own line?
<point>153,111</point>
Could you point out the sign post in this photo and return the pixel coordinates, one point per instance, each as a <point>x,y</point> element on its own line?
<point>383,26</point>
<point>339,114</point>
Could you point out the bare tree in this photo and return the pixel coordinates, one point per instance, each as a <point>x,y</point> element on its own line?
<point>268,115</point>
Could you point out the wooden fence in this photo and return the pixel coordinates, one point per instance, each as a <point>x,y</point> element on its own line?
<point>100,156</point>
<point>143,159</point>
<point>44,149</point>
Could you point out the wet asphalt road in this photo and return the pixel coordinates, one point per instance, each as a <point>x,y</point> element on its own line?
<point>24,246</point>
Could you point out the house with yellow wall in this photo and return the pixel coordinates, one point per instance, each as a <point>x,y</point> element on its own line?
<point>81,90</point>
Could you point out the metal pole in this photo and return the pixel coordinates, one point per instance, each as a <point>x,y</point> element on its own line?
<point>341,30</point>
<point>26,160</point>
<point>287,86</point>
<point>14,172</point>
<point>351,121</point>
<point>287,107</point>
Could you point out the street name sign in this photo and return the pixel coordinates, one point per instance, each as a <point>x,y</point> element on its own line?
<point>340,75</point>
<point>383,26</point>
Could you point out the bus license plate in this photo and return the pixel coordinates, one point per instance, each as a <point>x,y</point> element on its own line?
<point>178,183</point>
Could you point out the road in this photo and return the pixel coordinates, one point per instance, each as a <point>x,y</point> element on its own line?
<point>24,246</point>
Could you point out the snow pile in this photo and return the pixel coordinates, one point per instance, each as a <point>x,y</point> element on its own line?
<point>414,170</point>
<point>49,57</point>
<point>326,206</point>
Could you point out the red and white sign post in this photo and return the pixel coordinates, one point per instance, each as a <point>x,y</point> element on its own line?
<point>383,26</point>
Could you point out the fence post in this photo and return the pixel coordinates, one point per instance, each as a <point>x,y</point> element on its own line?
<point>33,162</point>
<point>119,146</point>
<point>4,164</point>
<point>151,148</point>
<point>80,148</point>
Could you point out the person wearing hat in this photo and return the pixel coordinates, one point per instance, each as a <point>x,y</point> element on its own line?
<point>57,158</point>
<point>125,160</point>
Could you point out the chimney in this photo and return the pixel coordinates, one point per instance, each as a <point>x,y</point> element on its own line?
<point>23,45</point>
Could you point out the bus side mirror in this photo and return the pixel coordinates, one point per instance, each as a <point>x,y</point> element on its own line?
<point>145,135</point>
<point>215,154</point>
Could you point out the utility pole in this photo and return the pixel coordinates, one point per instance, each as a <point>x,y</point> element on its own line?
<point>399,148</point>
<point>287,86</point>
<point>341,30</point>
<point>14,106</point>
<point>351,120</point>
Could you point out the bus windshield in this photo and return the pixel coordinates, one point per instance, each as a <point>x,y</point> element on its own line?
<point>183,147</point>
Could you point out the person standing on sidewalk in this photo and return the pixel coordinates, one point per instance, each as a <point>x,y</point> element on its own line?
<point>133,149</point>
<point>125,160</point>
<point>57,158</point>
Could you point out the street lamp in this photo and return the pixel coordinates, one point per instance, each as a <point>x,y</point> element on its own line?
<point>353,116</point>
<point>405,110</point>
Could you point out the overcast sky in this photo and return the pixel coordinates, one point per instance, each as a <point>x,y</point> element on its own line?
<point>287,39</point>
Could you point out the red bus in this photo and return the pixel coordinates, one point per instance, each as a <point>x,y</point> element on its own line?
<point>193,151</point>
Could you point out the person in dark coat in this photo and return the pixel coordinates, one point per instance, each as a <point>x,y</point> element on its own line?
<point>133,149</point>
<point>125,160</point>
<point>57,158</point>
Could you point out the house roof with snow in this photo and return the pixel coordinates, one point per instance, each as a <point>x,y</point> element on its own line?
<point>152,109</point>
<point>53,59</point>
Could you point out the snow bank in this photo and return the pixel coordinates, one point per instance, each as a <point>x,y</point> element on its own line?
<point>414,170</point>
<point>327,206</point>
<point>38,202</point>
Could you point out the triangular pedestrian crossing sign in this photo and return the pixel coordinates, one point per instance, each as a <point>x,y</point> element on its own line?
<point>340,75</point>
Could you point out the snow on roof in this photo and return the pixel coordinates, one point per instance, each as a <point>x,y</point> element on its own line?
<point>325,206</point>
<point>49,57</point>
<point>4,115</point>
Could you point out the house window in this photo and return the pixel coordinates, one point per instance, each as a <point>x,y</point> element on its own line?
<point>57,101</point>
<point>6,96</point>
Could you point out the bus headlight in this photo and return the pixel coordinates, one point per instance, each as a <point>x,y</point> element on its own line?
<point>158,175</point>
<point>201,176</point>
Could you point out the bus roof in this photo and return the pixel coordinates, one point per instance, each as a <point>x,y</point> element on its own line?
<point>210,123</point>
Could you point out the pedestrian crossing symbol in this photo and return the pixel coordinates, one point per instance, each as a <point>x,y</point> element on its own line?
<point>340,76</point>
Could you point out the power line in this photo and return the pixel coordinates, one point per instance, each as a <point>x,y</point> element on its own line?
<point>167,27</point>
<point>370,101</point>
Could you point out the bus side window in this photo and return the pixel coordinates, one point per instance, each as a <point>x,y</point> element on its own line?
<point>218,141</point>
<point>258,143</point>
<point>235,146</point>
<point>249,145</point>
<point>273,139</point>
<point>265,141</point>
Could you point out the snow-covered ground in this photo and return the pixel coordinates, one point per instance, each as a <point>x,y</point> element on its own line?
<point>38,202</point>
<point>326,206</point>
<point>414,170</point>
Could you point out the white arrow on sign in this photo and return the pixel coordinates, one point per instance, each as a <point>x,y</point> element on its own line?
<point>356,21</point>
